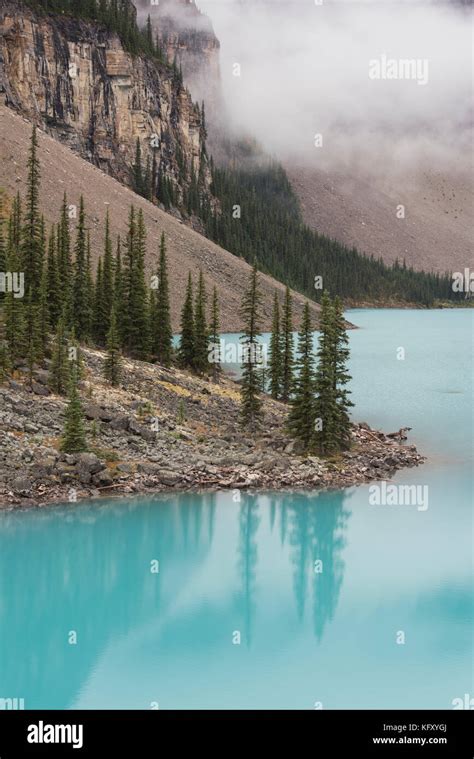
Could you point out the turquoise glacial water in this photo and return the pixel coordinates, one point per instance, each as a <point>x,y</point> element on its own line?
<point>230,569</point>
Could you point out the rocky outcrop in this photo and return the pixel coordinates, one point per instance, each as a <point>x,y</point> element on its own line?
<point>76,80</point>
<point>164,429</point>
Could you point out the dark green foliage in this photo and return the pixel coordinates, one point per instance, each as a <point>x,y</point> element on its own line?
<point>301,417</point>
<point>113,361</point>
<point>200,360</point>
<point>162,333</point>
<point>332,429</point>
<point>32,249</point>
<point>341,376</point>
<point>138,338</point>
<point>272,229</point>
<point>32,334</point>
<point>81,285</point>
<point>287,348</point>
<point>214,337</point>
<point>275,354</point>
<point>186,346</point>
<point>117,15</point>
<point>74,438</point>
<point>107,275</point>
<point>53,285</point>
<point>251,404</point>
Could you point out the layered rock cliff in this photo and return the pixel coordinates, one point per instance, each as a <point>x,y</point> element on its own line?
<point>186,35</point>
<point>76,80</point>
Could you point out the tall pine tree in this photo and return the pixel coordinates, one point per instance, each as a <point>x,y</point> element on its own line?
<point>251,404</point>
<point>302,413</point>
<point>287,348</point>
<point>275,353</point>
<point>186,346</point>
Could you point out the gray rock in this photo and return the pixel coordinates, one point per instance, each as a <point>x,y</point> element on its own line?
<point>39,389</point>
<point>103,478</point>
<point>21,484</point>
<point>88,462</point>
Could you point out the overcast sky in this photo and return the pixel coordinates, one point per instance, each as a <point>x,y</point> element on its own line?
<point>305,71</point>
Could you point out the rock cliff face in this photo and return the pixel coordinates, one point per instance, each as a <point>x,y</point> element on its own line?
<point>76,81</point>
<point>187,36</point>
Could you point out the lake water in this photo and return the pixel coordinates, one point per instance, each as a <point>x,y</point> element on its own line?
<point>230,570</point>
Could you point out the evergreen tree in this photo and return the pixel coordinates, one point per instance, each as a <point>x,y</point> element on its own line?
<point>275,352</point>
<point>43,314</point>
<point>163,333</point>
<point>31,251</point>
<point>287,348</point>
<point>325,435</point>
<point>32,335</point>
<point>186,346</point>
<point>74,438</point>
<point>139,338</point>
<point>341,376</point>
<point>251,408</point>
<point>119,294</point>
<point>53,286</point>
<point>113,362</point>
<point>302,414</point>
<point>107,276</point>
<point>14,315</point>
<point>65,268</point>
<point>200,360</point>
<point>81,286</point>
<point>214,336</point>
<point>137,169</point>
<point>59,372</point>
<point>99,307</point>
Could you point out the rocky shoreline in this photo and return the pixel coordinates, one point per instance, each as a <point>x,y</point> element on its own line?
<point>165,430</point>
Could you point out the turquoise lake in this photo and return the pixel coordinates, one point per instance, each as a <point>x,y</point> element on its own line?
<point>307,638</point>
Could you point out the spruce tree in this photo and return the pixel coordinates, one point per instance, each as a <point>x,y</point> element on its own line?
<point>65,268</point>
<point>302,413</point>
<point>43,314</point>
<point>119,294</point>
<point>113,361</point>
<point>14,313</point>
<point>31,249</point>
<point>107,277</point>
<point>251,404</point>
<point>287,348</point>
<point>32,335</point>
<point>341,376</point>
<point>275,352</point>
<point>325,433</point>
<point>139,338</point>
<point>186,345</point>
<point>214,337</point>
<point>98,321</point>
<point>59,372</point>
<point>137,169</point>
<point>200,360</point>
<point>74,438</point>
<point>53,286</point>
<point>81,286</point>
<point>163,332</point>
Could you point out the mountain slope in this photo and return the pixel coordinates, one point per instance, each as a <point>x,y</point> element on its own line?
<point>358,210</point>
<point>63,171</point>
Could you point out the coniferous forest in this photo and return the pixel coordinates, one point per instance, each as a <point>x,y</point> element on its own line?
<point>64,304</point>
